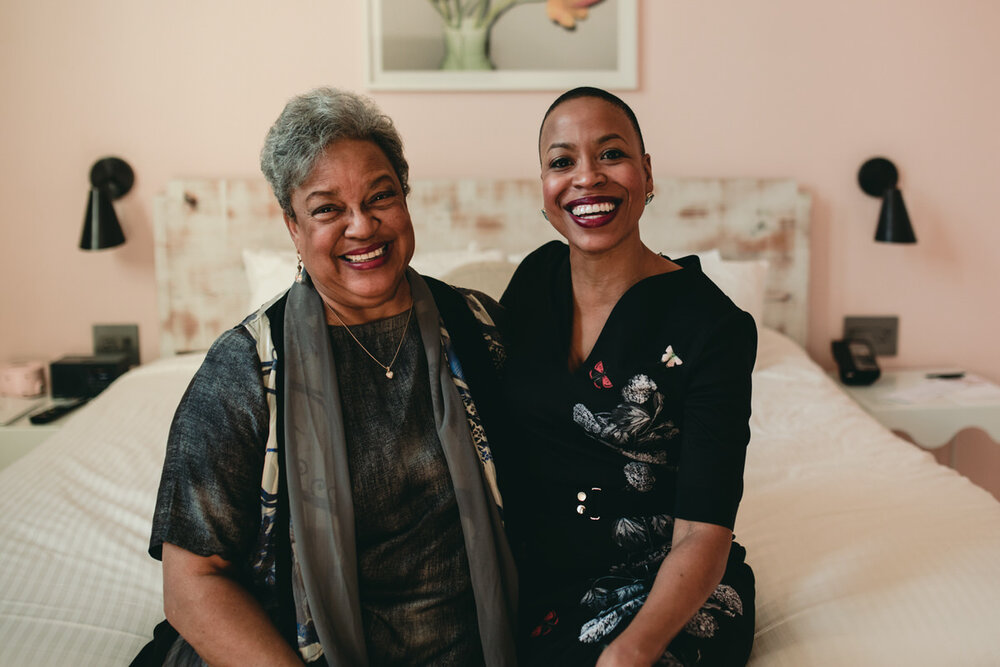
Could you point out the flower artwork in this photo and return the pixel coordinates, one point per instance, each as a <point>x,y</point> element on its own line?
<point>467,26</point>
<point>501,44</point>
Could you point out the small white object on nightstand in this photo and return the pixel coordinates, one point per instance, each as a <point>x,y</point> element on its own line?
<point>21,436</point>
<point>931,410</point>
<point>13,408</point>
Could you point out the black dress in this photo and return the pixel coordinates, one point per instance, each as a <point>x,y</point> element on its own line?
<point>652,426</point>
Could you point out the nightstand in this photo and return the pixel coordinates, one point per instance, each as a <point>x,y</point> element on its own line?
<point>931,411</point>
<point>21,436</point>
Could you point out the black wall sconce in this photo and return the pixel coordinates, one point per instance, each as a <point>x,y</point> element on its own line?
<point>110,178</point>
<point>878,177</point>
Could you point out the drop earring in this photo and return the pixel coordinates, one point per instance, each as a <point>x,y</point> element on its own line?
<point>544,214</point>
<point>299,272</point>
<point>649,198</point>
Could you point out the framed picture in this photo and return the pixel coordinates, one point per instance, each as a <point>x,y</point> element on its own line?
<point>501,44</point>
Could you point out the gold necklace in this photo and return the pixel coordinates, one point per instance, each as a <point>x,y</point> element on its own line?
<point>388,368</point>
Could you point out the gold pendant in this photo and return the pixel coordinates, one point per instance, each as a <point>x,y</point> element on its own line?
<point>388,373</point>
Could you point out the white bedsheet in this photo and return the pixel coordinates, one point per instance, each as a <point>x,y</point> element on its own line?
<point>76,584</point>
<point>866,551</point>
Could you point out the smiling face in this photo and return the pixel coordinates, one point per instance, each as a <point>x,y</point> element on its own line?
<point>595,177</point>
<point>353,231</point>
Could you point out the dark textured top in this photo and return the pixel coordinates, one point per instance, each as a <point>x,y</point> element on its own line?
<point>416,596</point>
<point>209,497</point>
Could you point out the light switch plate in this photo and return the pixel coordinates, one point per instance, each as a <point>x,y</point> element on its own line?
<point>117,339</point>
<point>882,331</point>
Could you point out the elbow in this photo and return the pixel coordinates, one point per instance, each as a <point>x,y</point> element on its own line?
<point>708,545</point>
<point>179,605</point>
<point>716,549</point>
<point>719,570</point>
<point>173,608</point>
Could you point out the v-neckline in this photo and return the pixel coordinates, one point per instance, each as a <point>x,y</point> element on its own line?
<point>588,361</point>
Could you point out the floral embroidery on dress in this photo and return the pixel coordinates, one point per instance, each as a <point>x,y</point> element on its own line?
<point>634,427</point>
<point>613,603</point>
<point>640,476</point>
<point>639,429</point>
<point>616,598</point>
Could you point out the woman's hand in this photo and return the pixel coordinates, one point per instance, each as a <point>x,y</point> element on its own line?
<point>687,576</point>
<point>217,616</point>
<point>623,654</point>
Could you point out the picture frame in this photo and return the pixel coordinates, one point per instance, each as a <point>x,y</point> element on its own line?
<point>411,46</point>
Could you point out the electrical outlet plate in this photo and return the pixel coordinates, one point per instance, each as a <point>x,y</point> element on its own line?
<point>117,339</point>
<point>881,331</point>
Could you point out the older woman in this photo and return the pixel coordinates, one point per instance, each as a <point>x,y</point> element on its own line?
<point>632,377</point>
<point>328,493</point>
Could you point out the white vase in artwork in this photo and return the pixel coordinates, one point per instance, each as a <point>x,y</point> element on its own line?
<point>467,47</point>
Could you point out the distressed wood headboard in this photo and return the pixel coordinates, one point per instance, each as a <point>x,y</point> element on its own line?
<point>202,226</point>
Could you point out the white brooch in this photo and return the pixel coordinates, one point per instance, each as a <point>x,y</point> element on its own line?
<point>670,358</point>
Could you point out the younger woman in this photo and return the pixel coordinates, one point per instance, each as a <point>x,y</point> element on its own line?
<point>630,378</point>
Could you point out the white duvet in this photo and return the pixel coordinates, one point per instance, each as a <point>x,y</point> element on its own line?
<point>866,551</point>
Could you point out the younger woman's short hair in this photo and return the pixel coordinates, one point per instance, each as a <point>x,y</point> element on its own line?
<point>599,93</point>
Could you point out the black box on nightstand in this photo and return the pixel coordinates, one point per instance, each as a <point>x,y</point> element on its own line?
<point>84,377</point>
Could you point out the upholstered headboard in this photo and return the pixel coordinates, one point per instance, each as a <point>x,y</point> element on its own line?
<point>202,227</point>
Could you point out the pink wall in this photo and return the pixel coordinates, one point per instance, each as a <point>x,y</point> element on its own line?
<point>775,88</point>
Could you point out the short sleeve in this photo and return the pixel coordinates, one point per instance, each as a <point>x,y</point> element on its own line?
<point>717,424</point>
<point>208,500</point>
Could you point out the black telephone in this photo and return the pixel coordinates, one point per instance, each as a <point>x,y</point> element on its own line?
<point>855,358</point>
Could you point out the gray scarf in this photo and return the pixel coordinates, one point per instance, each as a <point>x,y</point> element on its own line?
<point>319,484</point>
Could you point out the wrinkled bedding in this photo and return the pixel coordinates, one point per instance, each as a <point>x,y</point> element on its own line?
<point>866,551</point>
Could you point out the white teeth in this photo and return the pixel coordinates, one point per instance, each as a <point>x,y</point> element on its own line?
<point>592,209</point>
<point>368,256</point>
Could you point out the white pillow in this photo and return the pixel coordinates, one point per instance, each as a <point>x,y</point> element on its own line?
<point>490,277</point>
<point>743,281</point>
<point>269,273</point>
<point>438,263</point>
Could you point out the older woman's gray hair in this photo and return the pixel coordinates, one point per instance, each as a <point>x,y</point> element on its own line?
<point>312,121</point>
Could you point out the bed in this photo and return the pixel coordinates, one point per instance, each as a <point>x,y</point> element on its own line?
<point>866,551</point>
